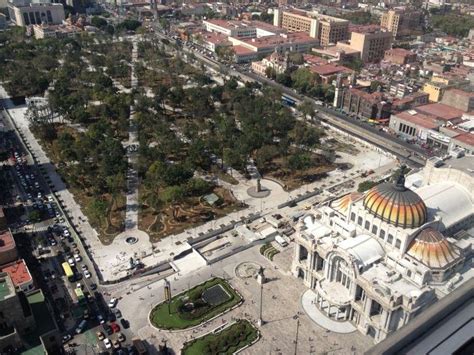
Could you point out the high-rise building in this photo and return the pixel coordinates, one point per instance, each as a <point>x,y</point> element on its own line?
<point>326,29</point>
<point>371,45</point>
<point>402,22</point>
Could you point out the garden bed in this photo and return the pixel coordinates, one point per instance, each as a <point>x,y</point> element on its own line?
<point>227,341</point>
<point>195,306</point>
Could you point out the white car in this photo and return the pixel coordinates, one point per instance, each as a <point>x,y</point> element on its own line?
<point>107,343</point>
<point>87,274</point>
<point>66,233</point>
<point>50,198</point>
<point>77,257</point>
<point>112,302</point>
<point>84,267</point>
<point>71,261</point>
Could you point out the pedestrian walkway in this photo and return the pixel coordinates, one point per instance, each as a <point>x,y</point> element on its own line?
<point>307,301</point>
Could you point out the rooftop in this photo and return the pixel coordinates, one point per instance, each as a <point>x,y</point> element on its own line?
<point>328,69</point>
<point>400,52</point>
<point>466,138</point>
<point>418,119</point>
<point>268,41</point>
<point>440,111</point>
<point>18,272</point>
<point>241,50</point>
<point>4,289</point>
<point>461,92</point>
<point>6,241</point>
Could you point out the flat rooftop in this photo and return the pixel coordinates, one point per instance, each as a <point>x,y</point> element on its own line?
<point>6,241</point>
<point>18,272</point>
<point>4,289</point>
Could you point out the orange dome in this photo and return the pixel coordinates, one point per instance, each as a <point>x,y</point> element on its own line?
<point>342,204</point>
<point>432,249</point>
<point>395,204</point>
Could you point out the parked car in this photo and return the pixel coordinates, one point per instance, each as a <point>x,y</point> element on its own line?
<point>87,274</point>
<point>108,330</point>
<point>125,323</point>
<point>100,335</point>
<point>115,327</point>
<point>112,302</point>
<point>107,343</point>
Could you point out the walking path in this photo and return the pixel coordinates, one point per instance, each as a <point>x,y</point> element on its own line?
<point>307,301</point>
<point>131,212</point>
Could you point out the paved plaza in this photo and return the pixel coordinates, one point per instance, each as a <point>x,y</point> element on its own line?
<point>281,305</point>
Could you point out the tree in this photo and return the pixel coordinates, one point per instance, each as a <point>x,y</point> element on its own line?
<point>97,210</point>
<point>303,79</point>
<point>172,194</point>
<point>307,108</point>
<point>98,22</point>
<point>299,161</point>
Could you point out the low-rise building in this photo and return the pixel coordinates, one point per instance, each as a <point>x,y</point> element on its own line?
<point>365,105</point>
<point>329,72</point>
<point>8,251</point>
<point>399,56</point>
<point>459,99</point>
<point>55,31</point>
<point>19,274</point>
<point>278,62</point>
<point>248,49</point>
<point>212,40</point>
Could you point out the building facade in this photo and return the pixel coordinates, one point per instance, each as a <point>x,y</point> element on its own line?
<point>327,29</point>
<point>402,22</point>
<point>378,260</point>
<point>365,105</point>
<point>371,45</point>
<point>36,14</point>
<point>399,56</point>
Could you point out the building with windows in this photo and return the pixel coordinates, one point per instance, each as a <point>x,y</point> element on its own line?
<point>372,44</point>
<point>326,29</point>
<point>399,56</point>
<point>36,14</point>
<point>378,260</point>
<point>365,105</point>
<point>402,22</point>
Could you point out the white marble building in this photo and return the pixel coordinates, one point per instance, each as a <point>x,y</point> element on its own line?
<point>379,259</point>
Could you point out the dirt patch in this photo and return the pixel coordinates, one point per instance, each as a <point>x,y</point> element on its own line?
<point>174,219</point>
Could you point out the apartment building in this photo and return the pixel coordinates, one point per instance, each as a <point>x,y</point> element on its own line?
<point>241,29</point>
<point>36,14</point>
<point>326,29</point>
<point>402,22</point>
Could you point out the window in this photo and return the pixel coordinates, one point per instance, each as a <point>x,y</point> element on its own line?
<point>367,225</point>
<point>26,19</point>
<point>359,221</point>
<point>409,273</point>
<point>353,216</point>
<point>390,238</point>
<point>374,229</point>
<point>48,15</point>
<point>398,244</point>
<point>382,234</point>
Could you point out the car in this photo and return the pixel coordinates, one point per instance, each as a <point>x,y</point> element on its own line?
<point>107,343</point>
<point>112,302</point>
<point>81,326</point>
<point>66,338</point>
<point>112,317</point>
<point>71,261</point>
<point>66,233</point>
<point>117,312</point>
<point>115,327</point>
<point>85,314</point>
<point>121,337</point>
<point>87,274</point>
<point>125,323</point>
<point>116,344</point>
<point>100,335</point>
<point>77,257</point>
<point>108,330</point>
<point>50,198</point>
<point>84,267</point>
<point>93,286</point>
<point>100,319</point>
<point>79,285</point>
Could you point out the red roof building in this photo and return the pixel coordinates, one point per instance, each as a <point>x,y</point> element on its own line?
<point>20,275</point>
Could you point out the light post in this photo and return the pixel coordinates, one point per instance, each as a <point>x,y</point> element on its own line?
<point>296,335</point>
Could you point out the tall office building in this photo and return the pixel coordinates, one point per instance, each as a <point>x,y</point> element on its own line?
<point>325,29</point>
<point>402,22</point>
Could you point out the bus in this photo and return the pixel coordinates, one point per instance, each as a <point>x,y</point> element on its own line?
<point>288,101</point>
<point>68,272</point>
<point>80,295</point>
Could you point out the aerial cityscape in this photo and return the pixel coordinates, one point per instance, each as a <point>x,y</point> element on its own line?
<point>271,177</point>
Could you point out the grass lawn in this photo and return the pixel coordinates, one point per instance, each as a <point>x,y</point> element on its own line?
<point>219,296</point>
<point>226,341</point>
